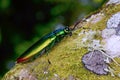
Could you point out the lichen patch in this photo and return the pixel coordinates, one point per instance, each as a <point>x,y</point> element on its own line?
<point>113,2</point>
<point>114,21</point>
<point>95,18</point>
<point>94,61</point>
<point>112,46</point>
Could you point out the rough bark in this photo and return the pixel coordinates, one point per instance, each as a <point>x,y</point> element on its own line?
<point>64,60</point>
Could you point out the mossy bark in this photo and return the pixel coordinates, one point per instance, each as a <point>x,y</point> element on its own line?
<point>64,60</point>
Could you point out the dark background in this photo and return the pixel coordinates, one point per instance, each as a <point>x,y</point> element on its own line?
<point>23,22</point>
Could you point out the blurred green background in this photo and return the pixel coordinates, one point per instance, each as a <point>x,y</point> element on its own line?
<point>23,22</point>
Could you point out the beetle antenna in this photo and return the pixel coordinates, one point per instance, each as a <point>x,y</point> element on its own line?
<point>76,24</point>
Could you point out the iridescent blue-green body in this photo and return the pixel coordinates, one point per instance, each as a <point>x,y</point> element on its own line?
<point>44,44</point>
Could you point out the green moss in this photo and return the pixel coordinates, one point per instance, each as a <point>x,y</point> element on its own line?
<point>111,9</point>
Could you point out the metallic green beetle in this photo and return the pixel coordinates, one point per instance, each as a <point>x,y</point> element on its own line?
<point>44,44</point>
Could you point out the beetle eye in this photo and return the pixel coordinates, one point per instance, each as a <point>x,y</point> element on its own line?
<point>66,29</point>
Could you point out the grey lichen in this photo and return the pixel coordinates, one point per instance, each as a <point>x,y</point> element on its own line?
<point>111,36</point>
<point>114,21</point>
<point>113,2</point>
<point>95,18</point>
<point>106,33</point>
<point>25,74</point>
<point>94,61</point>
<point>20,73</point>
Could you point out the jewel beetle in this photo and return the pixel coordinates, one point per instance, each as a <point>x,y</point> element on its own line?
<point>44,44</point>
